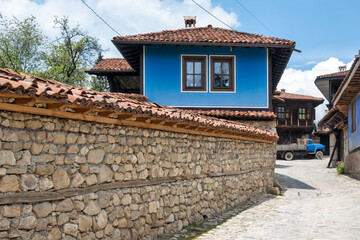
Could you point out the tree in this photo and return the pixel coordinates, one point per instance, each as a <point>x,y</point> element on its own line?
<point>21,44</point>
<point>70,54</point>
<point>100,83</point>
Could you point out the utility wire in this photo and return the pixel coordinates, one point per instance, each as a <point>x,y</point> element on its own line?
<point>213,15</point>
<point>101,18</point>
<point>253,15</point>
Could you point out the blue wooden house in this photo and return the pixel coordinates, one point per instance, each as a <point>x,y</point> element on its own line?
<point>199,67</point>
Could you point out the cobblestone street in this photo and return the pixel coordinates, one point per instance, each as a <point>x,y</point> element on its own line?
<point>316,204</point>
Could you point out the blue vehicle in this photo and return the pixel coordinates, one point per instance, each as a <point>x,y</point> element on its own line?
<point>304,147</point>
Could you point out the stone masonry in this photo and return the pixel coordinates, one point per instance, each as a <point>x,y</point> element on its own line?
<point>65,179</point>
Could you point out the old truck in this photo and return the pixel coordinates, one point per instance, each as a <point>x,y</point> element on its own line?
<point>303,147</point>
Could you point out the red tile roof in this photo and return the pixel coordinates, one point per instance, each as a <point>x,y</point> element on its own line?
<point>238,115</point>
<point>333,75</point>
<point>113,64</point>
<point>207,34</point>
<point>20,84</point>
<point>282,95</point>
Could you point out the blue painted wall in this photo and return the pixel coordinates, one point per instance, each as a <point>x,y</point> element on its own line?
<point>354,138</point>
<point>163,77</point>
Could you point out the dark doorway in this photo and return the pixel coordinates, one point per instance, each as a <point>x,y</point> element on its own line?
<point>294,117</point>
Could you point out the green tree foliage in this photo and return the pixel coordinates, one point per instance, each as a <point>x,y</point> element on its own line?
<point>99,83</point>
<point>73,52</point>
<point>21,44</point>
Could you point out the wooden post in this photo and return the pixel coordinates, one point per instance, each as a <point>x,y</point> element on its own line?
<point>335,147</point>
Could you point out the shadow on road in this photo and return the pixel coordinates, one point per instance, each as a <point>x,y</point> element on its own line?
<point>281,166</point>
<point>289,182</point>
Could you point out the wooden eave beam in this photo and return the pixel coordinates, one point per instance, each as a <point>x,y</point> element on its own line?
<point>22,101</point>
<point>170,123</point>
<point>122,116</point>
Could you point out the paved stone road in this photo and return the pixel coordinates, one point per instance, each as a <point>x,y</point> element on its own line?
<point>317,204</point>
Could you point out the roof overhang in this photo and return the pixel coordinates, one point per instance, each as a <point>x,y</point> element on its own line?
<point>349,88</point>
<point>332,118</point>
<point>280,53</point>
<point>323,84</point>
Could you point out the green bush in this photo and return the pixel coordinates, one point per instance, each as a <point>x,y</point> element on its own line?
<point>340,168</point>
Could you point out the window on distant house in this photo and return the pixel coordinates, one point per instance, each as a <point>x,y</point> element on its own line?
<point>281,112</point>
<point>194,73</point>
<point>353,116</point>
<point>222,73</point>
<point>302,113</point>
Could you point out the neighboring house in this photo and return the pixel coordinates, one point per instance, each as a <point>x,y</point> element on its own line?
<point>328,85</point>
<point>295,115</point>
<point>203,68</point>
<point>121,76</point>
<point>347,102</point>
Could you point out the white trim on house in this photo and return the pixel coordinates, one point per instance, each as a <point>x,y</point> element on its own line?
<point>206,71</point>
<point>234,77</point>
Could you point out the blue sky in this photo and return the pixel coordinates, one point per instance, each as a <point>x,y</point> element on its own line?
<point>321,28</point>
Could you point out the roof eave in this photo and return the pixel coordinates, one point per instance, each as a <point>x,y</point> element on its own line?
<point>347,79</point>
<point>132,42</point>
<point>109,71</point>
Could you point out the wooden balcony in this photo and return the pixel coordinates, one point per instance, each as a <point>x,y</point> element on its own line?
<point>294,123</point>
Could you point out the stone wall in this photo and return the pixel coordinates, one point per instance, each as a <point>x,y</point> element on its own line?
<point>64,179</point>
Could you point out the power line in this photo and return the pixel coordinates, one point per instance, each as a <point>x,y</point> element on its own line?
<point>257,19</point>
<point>213,15</point>
<point>101,18</point>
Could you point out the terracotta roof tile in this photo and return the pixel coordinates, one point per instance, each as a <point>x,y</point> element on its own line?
<point>207,34</point>
<point>113,64</point>
<point>292,96</point>
<point>238,115</point>
<point>14,83</point>
<point>334,75</point>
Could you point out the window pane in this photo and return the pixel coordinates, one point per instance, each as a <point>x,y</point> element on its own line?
<point>197,80</point>
<point>225,68</point>
<point>217,68</point>
<point>225,81</point>
<point>189,67</point>
<point>197,67</point>
<point>217,81</point>
<point>190,80</point>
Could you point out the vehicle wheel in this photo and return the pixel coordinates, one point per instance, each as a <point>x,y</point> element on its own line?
<point>289,156</point>
<point>319,154</point>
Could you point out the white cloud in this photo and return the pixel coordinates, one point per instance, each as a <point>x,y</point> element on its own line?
<point>125,16</point>
<point>302,82</point>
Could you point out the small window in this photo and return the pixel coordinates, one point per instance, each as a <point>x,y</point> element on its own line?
<point>222,73</point>
<point>194,73</point>
<point>353,116</point>
<point>302,113</point>
<point>281,112</point>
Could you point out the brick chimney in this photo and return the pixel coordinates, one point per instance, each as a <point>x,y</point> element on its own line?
<point>342,68</point>
<point>283,90</point>
<point>190,21</point>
